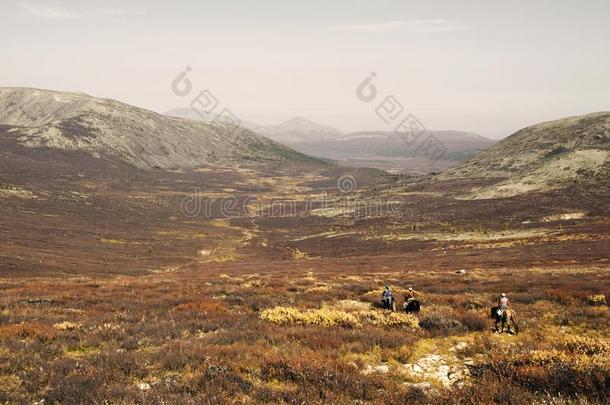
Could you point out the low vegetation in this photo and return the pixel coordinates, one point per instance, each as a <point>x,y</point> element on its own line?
<point>184,337</point>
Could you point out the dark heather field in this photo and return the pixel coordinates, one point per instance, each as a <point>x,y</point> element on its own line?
<point>122,286</point>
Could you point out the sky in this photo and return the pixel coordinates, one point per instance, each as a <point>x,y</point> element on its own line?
<point>489,67</point>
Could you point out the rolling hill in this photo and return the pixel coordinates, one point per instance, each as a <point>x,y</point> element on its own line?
<point>145,139</point>
<point>542,157</point>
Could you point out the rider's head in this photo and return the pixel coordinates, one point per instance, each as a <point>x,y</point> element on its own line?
<point>503,294</point>
<point>410,288</point>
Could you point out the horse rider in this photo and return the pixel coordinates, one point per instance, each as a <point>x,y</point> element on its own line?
<point>502,304</point>
<point>387,295</point>
<point>410,295</point>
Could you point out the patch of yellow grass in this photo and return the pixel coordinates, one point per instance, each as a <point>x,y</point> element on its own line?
<point>320,317</point>
<point>113,241</point>
<point>468,236</point>
<point>66,325</point>
<point>318,289</point>
<point>598,299</point>
<point>180,235</point>
<point>281,386</point>
<point>80,351</point>
<point>352,305</point>
<point>299,255</point>
<point>16,192</point>
<point>590,346</point>
<point>331,212</point>
<point>325,235</point>
<point>328,316</point>
<point>564,217</point>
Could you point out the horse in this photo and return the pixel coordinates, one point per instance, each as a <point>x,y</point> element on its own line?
<point>389,303</point>
<point>411,306</point>
<point>507,318</point>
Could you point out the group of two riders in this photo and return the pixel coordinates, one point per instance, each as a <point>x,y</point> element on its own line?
<point>387,297</point>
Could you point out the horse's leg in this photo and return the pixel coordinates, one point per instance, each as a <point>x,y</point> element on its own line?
<point>514,320</point>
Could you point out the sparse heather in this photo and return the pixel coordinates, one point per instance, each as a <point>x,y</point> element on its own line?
<point>265,337</point>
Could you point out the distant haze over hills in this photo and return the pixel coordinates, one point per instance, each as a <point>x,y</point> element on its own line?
<point>292,131</point>
<point>381,149</point>
<point>76,121</point>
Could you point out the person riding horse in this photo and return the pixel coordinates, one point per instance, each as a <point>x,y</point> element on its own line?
<point>504,315</point>
<point>387,298</point>
<point>502,304</point>
<point>411,305</point>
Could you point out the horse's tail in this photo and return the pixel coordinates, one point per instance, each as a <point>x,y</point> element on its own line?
<point>513,319</point>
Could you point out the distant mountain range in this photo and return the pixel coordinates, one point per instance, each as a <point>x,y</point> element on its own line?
<point>293,131</point>
<point>386,144</point>
<point>140,137</point>
<point>381,149</point>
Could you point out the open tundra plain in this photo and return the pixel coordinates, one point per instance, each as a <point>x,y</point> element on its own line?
<point>260,283</point>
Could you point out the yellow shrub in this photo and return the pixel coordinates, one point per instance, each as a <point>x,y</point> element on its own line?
<point>66,325</point>
<point>588,345</point>
<point>546,357</point>
<point>598,299</point>
<point>281,315</point>
<point>322,317</point>
<point>584,363</point>
<point>328,316</point>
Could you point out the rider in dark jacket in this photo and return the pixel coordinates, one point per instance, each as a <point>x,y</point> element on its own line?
<point>386,295</point>
<point>387,292</point>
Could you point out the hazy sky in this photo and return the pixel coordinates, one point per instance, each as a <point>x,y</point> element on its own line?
<point>485,66</point>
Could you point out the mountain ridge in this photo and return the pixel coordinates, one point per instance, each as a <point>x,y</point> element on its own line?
<point>542,156</point>
<point>143,138</point>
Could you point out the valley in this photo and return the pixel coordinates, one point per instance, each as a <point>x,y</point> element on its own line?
<point>258,281</point>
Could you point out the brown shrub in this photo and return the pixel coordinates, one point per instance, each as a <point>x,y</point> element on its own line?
<point>474,321</point>
<point>442,321</point>
<point>202,306</point>
<point>29,330</point>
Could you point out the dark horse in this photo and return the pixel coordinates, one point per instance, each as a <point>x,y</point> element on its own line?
<point>507,318</point>
<point>388,303</point>
<point>411,306</point>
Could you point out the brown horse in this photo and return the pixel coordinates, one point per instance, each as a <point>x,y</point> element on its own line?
<point>507,318</point>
